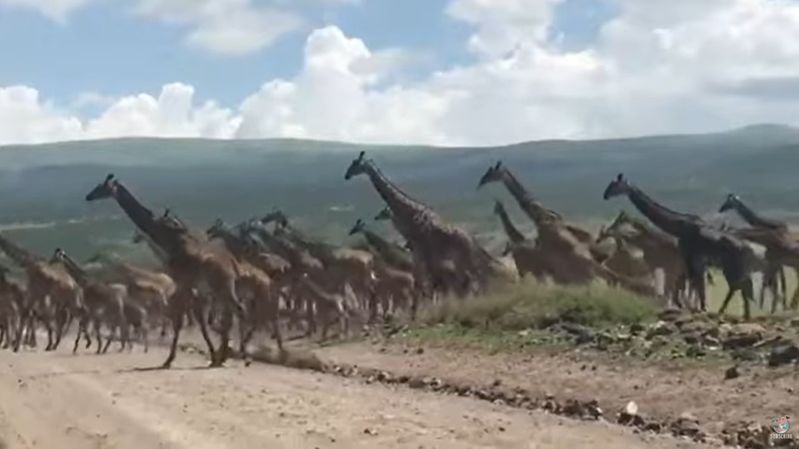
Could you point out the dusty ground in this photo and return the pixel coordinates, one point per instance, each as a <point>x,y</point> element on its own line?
<point>664,390</point>
<point>61,401</point>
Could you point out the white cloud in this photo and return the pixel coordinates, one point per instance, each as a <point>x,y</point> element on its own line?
<point>26,119</point>
<point>227,27</point>
<point>171,114</point>
<point>676,66</point>
<point>56,10</point>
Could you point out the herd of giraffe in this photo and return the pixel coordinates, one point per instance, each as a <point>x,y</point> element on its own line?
<point>264,275</point>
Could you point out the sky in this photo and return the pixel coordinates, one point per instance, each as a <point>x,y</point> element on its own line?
<point>440,72</point>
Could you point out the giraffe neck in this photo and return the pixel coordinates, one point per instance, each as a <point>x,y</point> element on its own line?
<point>757,220</point>
<point>19,255</point>
<point>405,210</point>
<point>671,222</point>
<point>141,216</point>
<point>513,232</point>
<point>387,250</point>
<point>76,272</point>
<point>531,207</point>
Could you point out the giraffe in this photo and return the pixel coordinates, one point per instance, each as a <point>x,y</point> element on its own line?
<point>774,276</point>
<point>625,259</point>
<point>148,288</point>
<point>302,264</point>
<point>12,303</point>
<point>192,261</point>
<point>568,259</point>
<point>660,251</point>
<point>529,259</point>
<point>395,282</point>
<point>698,242</point>
<point>53,293</point>
<point>392,253</point>
<point>535,210</point>
<point>344,265</point>
<point>429,236</point>
<point>256,277</point>
<point>784,249</point>
<point>442,276</point>
<point>102,304</point>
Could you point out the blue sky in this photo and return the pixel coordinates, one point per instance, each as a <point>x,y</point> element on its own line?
<point>447,72</point>
<point>107,49</point>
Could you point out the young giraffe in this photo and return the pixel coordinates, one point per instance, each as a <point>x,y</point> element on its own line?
<point>102,304</point>
<point>529,259</point>
<point>149,288</point>
<point>192,261</point>
<point>53,294</point>
<point>394,286</point>
<point>625,259</point>
<point>12,303</point>
<point>344,265</point>
<point>258,279</point>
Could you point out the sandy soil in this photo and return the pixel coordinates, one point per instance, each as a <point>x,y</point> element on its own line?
<point>61,401</point>
<point>663,390</point>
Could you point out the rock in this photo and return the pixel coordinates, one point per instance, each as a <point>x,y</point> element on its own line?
<point>743,335</point>
<point>420,350</point>
<point>795,322</point>
<point>660,328</point>
<point>416,382</point>
<point>731,373</point>
<point>686,425</point>
<point>783,354</point>
<point>630,417</point>
<point>637,328</point>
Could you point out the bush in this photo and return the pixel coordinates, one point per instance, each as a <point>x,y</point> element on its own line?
<point>531,305</point>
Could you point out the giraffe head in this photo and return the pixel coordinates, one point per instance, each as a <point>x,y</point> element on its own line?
<point>493,174</point>
<point>58,256</point>
<point>731,202</point>
<point>617,187</point>
<point>217,229</point>
<point>384,214</point>
<point>106,189</point>
<point>277,216</point>
<point>359,226</point>
<point>357,167</point>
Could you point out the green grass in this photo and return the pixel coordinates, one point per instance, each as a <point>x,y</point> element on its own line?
<point>530,305</point>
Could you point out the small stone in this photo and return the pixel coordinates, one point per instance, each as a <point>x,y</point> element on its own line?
<point>631,408</point>
<point>420,350</point>
<point>731,373</point>
<point>783,354</point>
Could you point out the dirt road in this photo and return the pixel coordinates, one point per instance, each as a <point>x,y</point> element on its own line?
<point>60,401</point>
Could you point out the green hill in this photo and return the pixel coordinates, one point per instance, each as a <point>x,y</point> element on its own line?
<point>42,187</point>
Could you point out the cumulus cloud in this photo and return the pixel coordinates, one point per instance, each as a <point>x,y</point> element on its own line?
<point>26,118</point>
<point>656,67</point>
